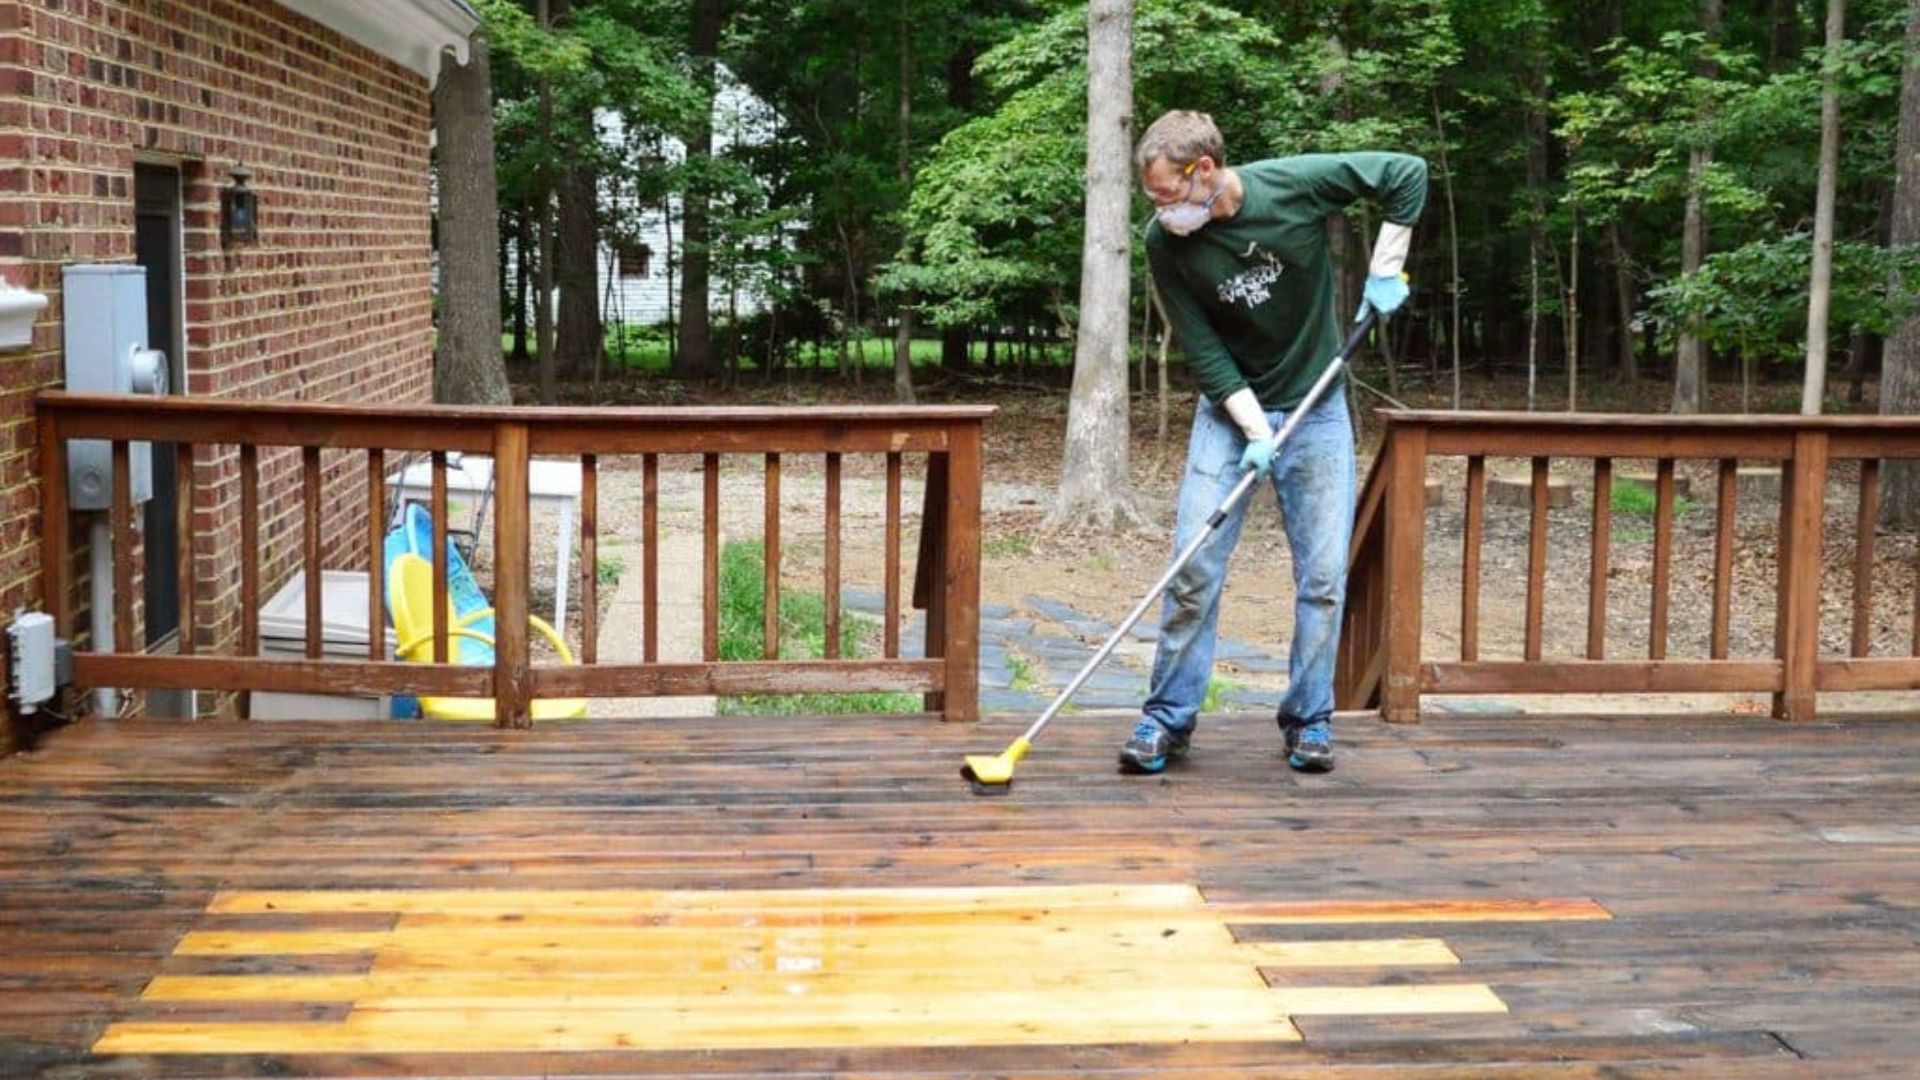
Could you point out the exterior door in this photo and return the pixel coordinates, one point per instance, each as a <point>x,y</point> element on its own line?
<point>157,248</point>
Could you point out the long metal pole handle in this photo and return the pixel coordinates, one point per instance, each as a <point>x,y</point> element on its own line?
<point>1214,520</point>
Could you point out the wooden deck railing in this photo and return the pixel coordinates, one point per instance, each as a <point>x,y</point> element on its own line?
<point>1382,661</point>
<point>203,433</point>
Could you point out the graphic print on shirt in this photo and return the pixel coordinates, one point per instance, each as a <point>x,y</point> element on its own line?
<point>1253,286</point>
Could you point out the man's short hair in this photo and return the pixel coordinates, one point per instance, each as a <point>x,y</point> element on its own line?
<point>1180,136</point>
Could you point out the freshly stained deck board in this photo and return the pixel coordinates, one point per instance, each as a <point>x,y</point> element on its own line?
<point>1673,897</point>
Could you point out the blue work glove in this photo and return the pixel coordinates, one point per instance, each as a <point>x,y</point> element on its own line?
<point>1258,455</point>
<point>1384,294</point>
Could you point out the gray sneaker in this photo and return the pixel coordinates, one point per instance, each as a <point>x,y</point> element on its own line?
<point>1150,747</point>
<point>1309,744</point>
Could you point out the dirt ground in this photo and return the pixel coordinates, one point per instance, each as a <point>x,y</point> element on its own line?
<point>1102,575</point>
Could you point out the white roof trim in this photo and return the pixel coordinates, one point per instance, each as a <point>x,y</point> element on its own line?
<point>415,33</point>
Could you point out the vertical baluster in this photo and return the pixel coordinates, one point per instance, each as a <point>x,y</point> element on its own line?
<point>437,509</point>
<point>183,497</point>
<point>310,548</point>
<point>376,553</point>
<point>1727,503</point>
<point>1803,503</point>
<point>650,556</point>
<point>249,549</point>
<point>589,557</point>
<point>710,562</point>
<point>832,628</point>
<point>1470,558</point>
<point>124,540</point>
<point>55,547</point>
<point>249,560</point>
<point>1602,556</point>
<point>513,666</point>
<point>1537,561</point>
<point>959,582</point>
<point>1864,528</point>
<point>891,636</point>
<point>771,569</point>
<point>1662,560</point>
<point>1404,560</point>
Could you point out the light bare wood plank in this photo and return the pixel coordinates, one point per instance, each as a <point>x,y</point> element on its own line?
<point>1381,952</point>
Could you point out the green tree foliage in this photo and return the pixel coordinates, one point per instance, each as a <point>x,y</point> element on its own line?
<point>1563,120</point>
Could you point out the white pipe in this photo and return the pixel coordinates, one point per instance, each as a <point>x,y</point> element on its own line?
<point>106,700</point>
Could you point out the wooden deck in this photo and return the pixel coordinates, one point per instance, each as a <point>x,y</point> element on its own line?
<point>1473,897</point>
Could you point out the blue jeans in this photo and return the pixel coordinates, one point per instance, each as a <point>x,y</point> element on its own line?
<point>1313,480</point>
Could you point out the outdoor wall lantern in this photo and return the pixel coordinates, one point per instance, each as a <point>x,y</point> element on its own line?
<point>18,309</point>
<point>238,222</point>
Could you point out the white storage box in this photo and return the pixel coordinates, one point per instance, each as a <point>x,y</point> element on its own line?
<point>343,633</point>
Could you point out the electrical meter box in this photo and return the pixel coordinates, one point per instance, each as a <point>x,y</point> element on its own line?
<point>105,313</point>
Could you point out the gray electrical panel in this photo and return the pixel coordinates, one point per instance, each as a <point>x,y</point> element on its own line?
<point>105,313</point>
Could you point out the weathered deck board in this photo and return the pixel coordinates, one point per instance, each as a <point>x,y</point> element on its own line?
<point>1671,897</point>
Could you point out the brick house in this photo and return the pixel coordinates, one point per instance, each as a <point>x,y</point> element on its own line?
<point>121,122</point>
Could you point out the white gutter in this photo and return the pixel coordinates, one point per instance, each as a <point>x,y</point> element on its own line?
<point>414,33</point>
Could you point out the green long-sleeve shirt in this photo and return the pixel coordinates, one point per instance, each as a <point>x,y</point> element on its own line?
<point>1250,298</point>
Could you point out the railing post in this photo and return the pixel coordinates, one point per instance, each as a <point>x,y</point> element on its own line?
<point>960,612</point>
<point>513,705</point>
<point>1803,504</point>
<point>1406,546</point>
<point>54,550</point>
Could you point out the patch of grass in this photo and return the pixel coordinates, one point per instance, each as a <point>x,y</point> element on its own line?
<point>1022,668</point>
<point>609,570</point>
<point>1637,501</point>
<point>1217,690</point>
<point>1010,545</point>
<point>743,609</point>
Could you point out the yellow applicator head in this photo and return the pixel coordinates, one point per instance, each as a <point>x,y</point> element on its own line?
<point>993,774</point>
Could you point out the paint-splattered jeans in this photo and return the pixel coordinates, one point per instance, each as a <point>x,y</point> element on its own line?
<point>1313,479</point>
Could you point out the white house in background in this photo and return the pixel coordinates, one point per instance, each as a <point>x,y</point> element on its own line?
<point>640,271</point>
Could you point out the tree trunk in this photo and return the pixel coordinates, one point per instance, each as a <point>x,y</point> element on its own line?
<point>1623,302</point>
<point>1900,369</point>
<point>1689,362</point>
<point>1453,247</point>
<point>695,360</point>
<point>468,368</point>
<point>1820,290</point>
<point>903,332</point>
<point>543,343</point>
<point>1096,488</point>
<point>522,284</point>
<point>581,336</point>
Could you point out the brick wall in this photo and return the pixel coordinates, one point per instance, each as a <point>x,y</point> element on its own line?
<point>333,303</point>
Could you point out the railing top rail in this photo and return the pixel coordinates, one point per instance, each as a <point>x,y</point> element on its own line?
<point>688,415</point>
<point>1645,422</point>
